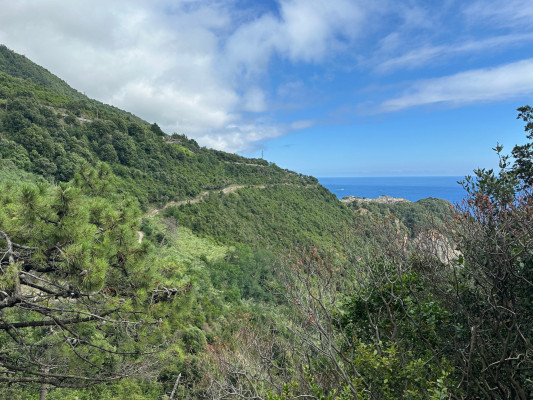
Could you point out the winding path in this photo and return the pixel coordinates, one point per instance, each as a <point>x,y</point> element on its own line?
<point>201,196</point>
<point>197,199</point>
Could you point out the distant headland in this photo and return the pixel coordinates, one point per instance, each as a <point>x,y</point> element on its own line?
<point>381,199</point>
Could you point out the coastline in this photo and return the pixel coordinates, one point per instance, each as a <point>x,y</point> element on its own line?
<point>408,188</point>
<point>384,199</point>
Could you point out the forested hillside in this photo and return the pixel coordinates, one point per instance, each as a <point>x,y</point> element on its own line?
<point>72,165</point>
<point>421,215</point>
<point>49,129</point>
<point>140,265</point>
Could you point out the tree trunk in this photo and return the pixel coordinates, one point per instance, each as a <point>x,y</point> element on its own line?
<point>43,392</point>
<point>173,389</point>
<point>44,386</point>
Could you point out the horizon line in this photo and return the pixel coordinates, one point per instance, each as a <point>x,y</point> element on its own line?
<point>392,176</point>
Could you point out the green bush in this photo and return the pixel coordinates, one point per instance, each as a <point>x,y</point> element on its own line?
<point>194,340</point>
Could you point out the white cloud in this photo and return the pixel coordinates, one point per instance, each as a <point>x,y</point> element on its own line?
<point>303,124</point>
<point>311,27</point>
<point>242,136</point>
<point>305,31</point>
<point>254,100</point>
<point>508,13</point>
<point>481,85</point>
<point>194,67</point>
<point>203,67</point>
<point>425,55</point>
<point>423,34</point>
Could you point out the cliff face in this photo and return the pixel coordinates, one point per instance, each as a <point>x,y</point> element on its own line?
<point>435,243</point>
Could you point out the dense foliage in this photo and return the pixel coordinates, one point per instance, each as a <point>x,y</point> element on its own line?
<point>421,215</point>
<point>396,321</point>
<point>523,154</point>
<point>19,66</point>
<point>72,279</point>
<point>109,304</point>
<point>47,130</point>
<point>274,216</point>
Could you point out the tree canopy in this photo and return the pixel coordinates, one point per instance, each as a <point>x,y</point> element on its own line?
<point>72,282</point>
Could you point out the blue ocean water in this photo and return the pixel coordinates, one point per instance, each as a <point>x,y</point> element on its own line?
<point>409,188</point>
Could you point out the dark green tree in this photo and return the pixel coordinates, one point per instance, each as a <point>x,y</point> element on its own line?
<point>72,280</point>
<point>523,154</point>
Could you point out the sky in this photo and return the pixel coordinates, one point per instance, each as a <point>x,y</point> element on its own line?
<point>322,87</point>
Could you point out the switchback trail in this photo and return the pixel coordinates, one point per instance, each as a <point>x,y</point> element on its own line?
<point>199,198</point>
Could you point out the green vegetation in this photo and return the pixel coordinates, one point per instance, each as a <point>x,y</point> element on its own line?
<point>19,66</point>
<point>275,216</point>
<point>48,130</point>
<point>257,284</point>
<point>395,321</point>
<point>73,281</point>
<point>421,215</point>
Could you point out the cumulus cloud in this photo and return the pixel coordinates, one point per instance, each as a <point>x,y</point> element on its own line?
<point>304,31</point>
<point>254,100</point>
<point>242,136</point>
<point>481,85</point>
<point>195,67</point>
<point>221,71</point>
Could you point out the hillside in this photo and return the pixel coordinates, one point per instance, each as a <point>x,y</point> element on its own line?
<point>421,215</point>
<point>54,140</point>
<point>49,128</point>
<point>19,66</point>
<point>140,265</point>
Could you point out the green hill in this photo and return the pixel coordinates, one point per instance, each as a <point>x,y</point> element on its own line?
<point>133,262</point>
<point>19,66</point>
<point>421,215</point>
<point>49,128</point>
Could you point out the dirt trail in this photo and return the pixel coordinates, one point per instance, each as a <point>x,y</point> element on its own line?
<point>200,197</point>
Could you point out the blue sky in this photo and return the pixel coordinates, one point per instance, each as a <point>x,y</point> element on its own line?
<point>328,88</point>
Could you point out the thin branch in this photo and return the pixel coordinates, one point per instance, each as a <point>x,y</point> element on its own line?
<point>52,322</point>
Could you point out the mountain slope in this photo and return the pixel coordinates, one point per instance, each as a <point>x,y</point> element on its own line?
<point>19,66</point>
<point>222,258</point>
<point>49,128</point>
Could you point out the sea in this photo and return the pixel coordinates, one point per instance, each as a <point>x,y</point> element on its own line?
<point>412,188</point>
